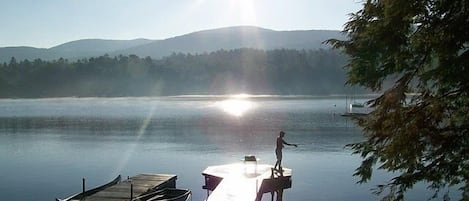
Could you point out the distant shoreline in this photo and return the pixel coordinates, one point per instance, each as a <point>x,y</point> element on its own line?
<point>215,96</point>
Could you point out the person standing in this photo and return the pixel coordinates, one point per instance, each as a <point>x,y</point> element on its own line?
<point>278,150</point>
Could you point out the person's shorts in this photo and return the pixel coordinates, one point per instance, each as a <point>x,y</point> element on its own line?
<point>278,153</point>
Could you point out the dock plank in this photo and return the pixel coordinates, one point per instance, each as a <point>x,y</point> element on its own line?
<point>140,183</point>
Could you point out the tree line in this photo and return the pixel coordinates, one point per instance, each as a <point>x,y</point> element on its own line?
<point>254,71</point>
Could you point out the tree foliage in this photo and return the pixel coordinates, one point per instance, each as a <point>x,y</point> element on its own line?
<point>253,71</point>
<point>420,126</point>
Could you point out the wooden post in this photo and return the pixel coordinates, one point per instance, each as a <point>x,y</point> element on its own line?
<point>83,187</point>
<point>131,191</point>
<point>280,195</point>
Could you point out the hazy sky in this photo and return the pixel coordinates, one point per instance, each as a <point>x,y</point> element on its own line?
<point>47,23</point>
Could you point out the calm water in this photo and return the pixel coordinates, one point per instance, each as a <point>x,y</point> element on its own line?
<point>48,145</point>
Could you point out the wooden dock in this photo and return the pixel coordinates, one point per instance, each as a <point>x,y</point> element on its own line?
<point>134,186</point>
<point>245,182</point>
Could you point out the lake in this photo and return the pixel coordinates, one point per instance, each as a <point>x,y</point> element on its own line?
<point>48,145</point>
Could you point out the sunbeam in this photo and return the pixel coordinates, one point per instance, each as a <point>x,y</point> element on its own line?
<point>131,148</point>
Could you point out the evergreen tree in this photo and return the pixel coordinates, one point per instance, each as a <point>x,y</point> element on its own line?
<point>221,72</point>
<point>420,126</point>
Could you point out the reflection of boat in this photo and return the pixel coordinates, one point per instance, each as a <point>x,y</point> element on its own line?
<point>167,194</point>
<point>360,105</point>
<point>353,114</point>
<point>82,195</point>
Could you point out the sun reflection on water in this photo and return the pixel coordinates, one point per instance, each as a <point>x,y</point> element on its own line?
<point>236,106</point>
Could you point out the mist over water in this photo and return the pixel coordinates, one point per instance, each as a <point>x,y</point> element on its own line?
<point>48,145</point>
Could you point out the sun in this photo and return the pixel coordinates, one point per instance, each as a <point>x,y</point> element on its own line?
<point>244,10</point>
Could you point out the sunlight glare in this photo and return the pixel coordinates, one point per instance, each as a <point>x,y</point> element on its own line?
<point>235,106</point>
<point>133,145</point>
<point>241,96</point>
<point>245,10</point>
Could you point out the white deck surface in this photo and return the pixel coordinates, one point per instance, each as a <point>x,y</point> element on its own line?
<point>241,181</point>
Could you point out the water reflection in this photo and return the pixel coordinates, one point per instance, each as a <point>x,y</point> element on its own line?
<point>44,141</point>
<point>235,106</point>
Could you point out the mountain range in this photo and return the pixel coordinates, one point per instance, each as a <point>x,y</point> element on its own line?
<point>196,42</point>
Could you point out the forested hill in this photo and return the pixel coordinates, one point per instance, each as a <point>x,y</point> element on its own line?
<point>197,42</point>
<point>234,38</point>
<point>282,72</point>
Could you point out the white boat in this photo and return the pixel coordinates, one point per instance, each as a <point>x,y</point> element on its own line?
<point>355,109</point>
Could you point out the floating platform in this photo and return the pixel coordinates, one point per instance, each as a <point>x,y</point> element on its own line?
<point>246,181</point>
